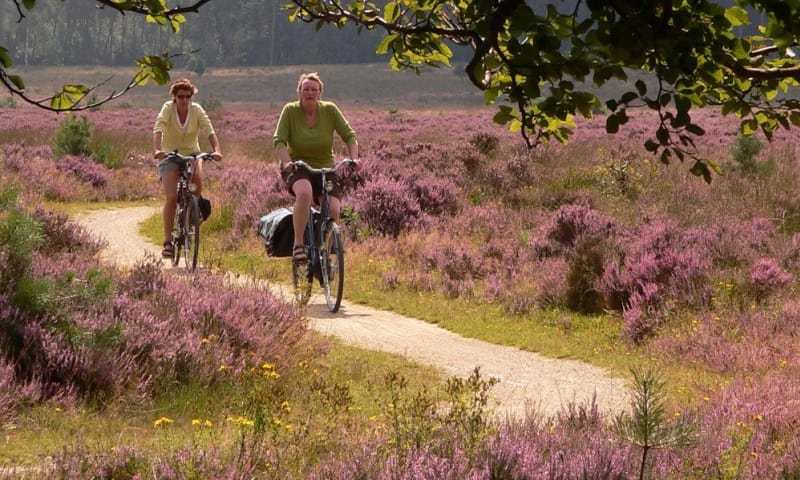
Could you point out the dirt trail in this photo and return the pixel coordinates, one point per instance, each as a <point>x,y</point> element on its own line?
<point>527,380</point>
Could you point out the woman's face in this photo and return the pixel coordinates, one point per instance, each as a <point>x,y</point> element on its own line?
<point>183,97</point>
<point>310,91</point>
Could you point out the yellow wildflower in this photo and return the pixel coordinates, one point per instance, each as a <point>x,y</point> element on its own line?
<point>163,421</point>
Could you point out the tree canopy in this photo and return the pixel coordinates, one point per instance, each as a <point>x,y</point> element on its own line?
<point>536,59</point>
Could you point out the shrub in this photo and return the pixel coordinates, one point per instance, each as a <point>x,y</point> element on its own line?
<point>485,143</point>
<point>73,137</point>
<point>744,152</point>
<point>85,169</point>
<point>388,207</point>
<point>766,277</point>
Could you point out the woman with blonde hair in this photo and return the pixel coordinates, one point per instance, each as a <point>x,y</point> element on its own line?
<point>305,132</point>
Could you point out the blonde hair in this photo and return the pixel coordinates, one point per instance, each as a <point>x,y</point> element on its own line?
<point>310,76</point>
<point>182,84</point>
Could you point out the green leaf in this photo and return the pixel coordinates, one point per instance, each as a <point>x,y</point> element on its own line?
<point>17,81</point>
<point>5,58</point>
<point>628,97</point>
<point>62,101</point>
<point>504,115</point>
<point>641,87</point>
<point>737,16</point>
<point>175,22</point>
<point>386,43</point>
<point>749,126</point>
<point>156,6</point>
<point>701,169</point>
<point>612,124</point>
<point>695,129</point>
<point>391,11</point>
<point>76,89</point>
<point>29,4</point>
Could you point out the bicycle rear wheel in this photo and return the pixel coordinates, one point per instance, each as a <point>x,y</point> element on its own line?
<point>332,265</point>
<point>191,232</point>
<point>302,278</point>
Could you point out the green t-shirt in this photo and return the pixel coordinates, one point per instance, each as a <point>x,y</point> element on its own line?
<point>314,144</point>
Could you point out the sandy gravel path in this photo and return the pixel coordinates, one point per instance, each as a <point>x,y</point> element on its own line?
<point>527,380</point>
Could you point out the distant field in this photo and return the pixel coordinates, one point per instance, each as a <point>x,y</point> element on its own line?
<point>359,84</point>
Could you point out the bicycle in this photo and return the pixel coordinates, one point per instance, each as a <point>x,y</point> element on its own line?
<point>324,247</point>
<point>186,226</point>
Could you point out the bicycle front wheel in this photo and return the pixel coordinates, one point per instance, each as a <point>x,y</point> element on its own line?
<point>302,278</point>
<point>191,233</point>
<point>177,235</point>
<point>332,266</point>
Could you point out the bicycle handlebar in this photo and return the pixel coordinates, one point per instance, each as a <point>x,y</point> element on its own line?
<point>317,171</point>
<point>176,157</point>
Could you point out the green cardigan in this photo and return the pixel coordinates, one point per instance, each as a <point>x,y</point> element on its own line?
<point>313,145</point>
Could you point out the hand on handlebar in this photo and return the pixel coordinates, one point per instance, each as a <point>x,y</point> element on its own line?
<point>353,163</point>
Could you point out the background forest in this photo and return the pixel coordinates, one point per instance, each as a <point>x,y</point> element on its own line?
<point>247,33</point>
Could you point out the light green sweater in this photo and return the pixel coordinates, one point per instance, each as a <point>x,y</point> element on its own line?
<point>184,138</point>
<point>314,144</point>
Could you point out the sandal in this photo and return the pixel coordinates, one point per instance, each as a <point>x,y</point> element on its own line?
<point>299,254</point>
<point>168,251</point>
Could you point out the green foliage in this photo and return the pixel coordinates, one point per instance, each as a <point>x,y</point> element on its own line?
<point>20,236</point>
<point>9,102</point>
<point>745,152</point>
<point>647,425</point>
<point>538,63</point>
<point>73,137</point>
<point>419,419</point>
<point>212,106</point>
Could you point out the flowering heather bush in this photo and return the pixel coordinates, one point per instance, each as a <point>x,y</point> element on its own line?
<point>78,178</point>
<point>766,278</point>
<point>388,207</point>
<point>61,235</point>
<point>74,332</point>
<point>550,284</point>
<point>572,222</point>
<point>657,271</point>
<point>251,191</point>
<point>85,169</point>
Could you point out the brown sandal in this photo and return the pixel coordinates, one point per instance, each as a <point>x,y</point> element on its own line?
<point>168,251</point>
<point>299,254</point>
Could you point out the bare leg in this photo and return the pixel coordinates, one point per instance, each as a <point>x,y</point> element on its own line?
<point>197,176</point>
<point>335,208</point>
<point>302,202</point>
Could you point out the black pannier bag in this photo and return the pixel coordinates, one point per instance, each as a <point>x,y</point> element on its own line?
<point>277,232</point>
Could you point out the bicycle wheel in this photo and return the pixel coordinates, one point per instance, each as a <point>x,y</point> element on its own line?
<point>332,266</point>
<point>177,235</point>
<point>302,278</point>
<point>191,233</point>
